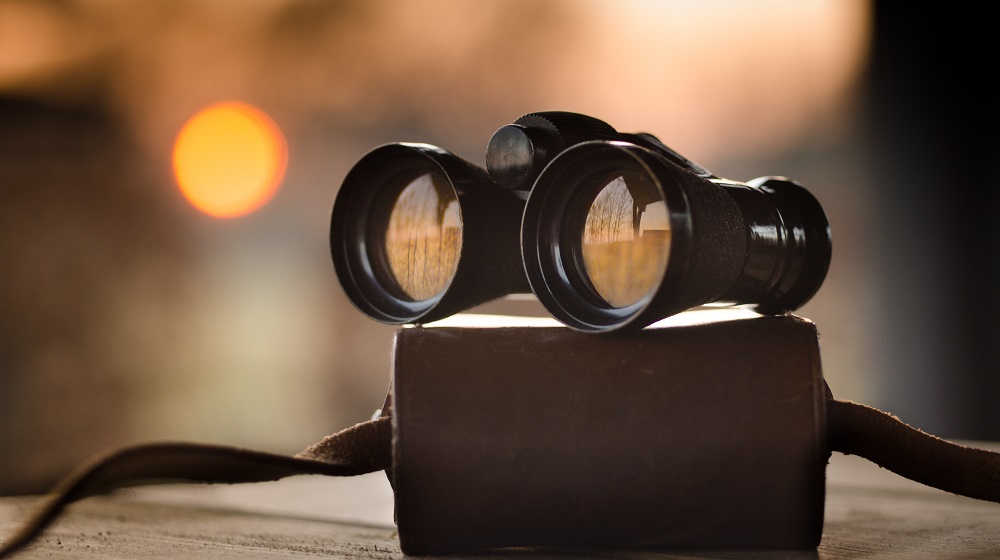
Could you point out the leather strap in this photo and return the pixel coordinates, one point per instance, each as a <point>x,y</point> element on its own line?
<point>360,449</point>
<point>853,429</point>
<point>857,429</point>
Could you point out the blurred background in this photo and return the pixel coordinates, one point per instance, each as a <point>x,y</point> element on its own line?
<point>130,311</point>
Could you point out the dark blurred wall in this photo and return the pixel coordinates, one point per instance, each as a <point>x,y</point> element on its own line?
<point>933,143</point>
<point>84,235</point>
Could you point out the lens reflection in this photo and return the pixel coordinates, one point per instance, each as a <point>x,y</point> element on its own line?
<point>423,237</point>
<point>626,240</point>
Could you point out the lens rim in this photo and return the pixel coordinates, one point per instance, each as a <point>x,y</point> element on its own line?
<point>362,268</point>
<point>554,215</point>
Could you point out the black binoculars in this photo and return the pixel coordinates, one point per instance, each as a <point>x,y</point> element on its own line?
<point>609,230</point>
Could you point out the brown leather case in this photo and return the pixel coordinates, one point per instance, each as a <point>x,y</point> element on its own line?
<point>704,436</point>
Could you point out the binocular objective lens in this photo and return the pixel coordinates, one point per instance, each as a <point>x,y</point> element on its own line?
<point>423,236</point>
<point>625,242</point>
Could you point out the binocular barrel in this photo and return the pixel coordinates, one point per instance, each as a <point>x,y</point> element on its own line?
<point>609,230</point>
<point>419,234</point>
<point>615,235</point>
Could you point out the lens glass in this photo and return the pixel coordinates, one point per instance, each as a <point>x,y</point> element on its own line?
<point>423,237</point>
<point>626,239</point>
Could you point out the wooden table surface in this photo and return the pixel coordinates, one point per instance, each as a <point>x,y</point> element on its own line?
<point>870,513</point>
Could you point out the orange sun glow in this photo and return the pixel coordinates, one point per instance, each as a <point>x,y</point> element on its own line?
<point>229,159</point>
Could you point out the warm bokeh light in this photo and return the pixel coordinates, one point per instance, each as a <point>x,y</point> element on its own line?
<point>229,159</point>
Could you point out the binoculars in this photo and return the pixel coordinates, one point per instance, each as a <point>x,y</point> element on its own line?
<point>609,230</point>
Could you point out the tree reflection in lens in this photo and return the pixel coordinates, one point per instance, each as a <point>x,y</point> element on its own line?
<point>423,238</point>
<point>626,240</point>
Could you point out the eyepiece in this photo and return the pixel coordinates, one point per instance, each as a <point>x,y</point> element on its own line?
<point>418,234</point>
<point>791,244</point>
<point>618,236</point>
